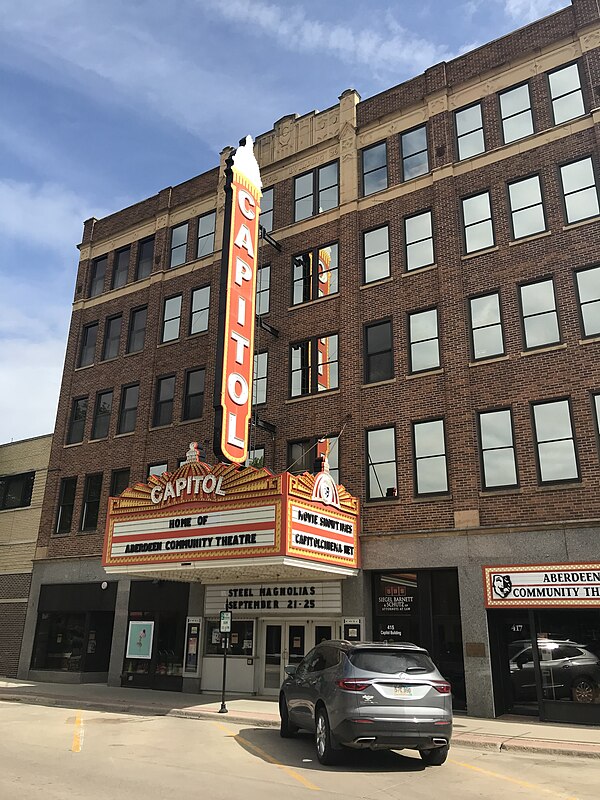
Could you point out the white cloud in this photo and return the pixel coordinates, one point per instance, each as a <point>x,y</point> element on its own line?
<point>524,11</point>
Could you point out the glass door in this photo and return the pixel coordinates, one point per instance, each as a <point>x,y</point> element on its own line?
<point>283,643</point>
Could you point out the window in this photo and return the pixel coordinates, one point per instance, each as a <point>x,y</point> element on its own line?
<point>91,502</point>
<point>112,338</point>
<point>163,404</point>
<point>424,340</point>
<point>374,169</point>
<point>379,355</point>
<point>413,146</point>
<point>102,412</point>
<point>171,319</point>
<point>266,210</point>
<point>206,234</point>
<point>145,259</point>
<point>526,207</point>
<point>199,311</point>
<point>77,421</point>
<point>305,379</point>
<point>256,457</point>
<point>469,131</point>
<point>588,290</point>
<point>263,286</point>
<point>332,445</point>
<point>97,277</point>
<point>193,401</point>
<point>477,219</point>
<point>499,467</point>
<point>377,254</point>
<point>310,283</point>
<point>304,453</point>
<point>179,237</point>
<point>121,268</point>
<point>430,457</point>
<point>557,459</point>
<point>515,111</point>
<point>241,638</point>
<point>486,326</point>
<point>128,410</point>
<point>418,237</point>
<point>596,400</point>
<point>579,190</point>
<point>566,94</point>
<point>381,460</point>
<point>259,380</point>
<point>15,490</point>
<point>316,191</point>
<point>66,501</point>
<point>137,330</point>
<point>540,318</point>
<point>119,481</point>
<point>88,345</point>
<point>157,469</point>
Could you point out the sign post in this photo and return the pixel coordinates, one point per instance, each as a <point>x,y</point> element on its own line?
<point>225,631</point>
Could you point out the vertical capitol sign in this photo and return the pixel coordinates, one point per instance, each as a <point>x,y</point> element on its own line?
<point>237,305</point>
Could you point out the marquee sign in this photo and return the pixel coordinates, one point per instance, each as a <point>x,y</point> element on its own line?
<point>248,600</point>
<point>542,586</point>
<point>237,305</point>
<point>203,517</point>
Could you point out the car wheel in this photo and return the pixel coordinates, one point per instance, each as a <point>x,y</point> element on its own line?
<point>584,691</point>
<point>286,729</point>
<point>435,757</point>
<point>327,753</point>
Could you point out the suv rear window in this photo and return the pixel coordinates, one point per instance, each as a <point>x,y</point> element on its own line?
<point>390,662</point>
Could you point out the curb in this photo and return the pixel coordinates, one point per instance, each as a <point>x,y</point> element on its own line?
<point>473,741</point>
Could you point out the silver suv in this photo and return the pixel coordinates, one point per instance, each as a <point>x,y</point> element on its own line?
<point>368,695</point>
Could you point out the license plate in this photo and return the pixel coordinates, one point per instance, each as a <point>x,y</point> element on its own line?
<point>403,691</point>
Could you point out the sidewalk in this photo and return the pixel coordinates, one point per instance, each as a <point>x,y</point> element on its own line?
<point>509,734</point>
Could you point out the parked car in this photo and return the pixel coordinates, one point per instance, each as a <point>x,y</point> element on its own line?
<point>570,671</point>
<point>368,695</point>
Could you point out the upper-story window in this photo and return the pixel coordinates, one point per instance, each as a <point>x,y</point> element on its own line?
<point>102,412</point>
<point>66,503</point>
<point>171,319</point>
<point>92,492</point>
<point>424,340</point>
<point>15,490</point>
<point>379,352</point>
<point>121,268</point>
<point>145,258</point>
<point>376,248</point>
<point>540,317</point>
<point>77,420</point>
<point>413,146</point>
<point>193,401</point>
<point>97,276</point>
<point>206,234</point>
<point>498,460</point>
<point>128,410</point>
<point>526,207</point>
<point>382,478</point>
<point>579,190</point>
<point>588,290</point>
<point>477,220</point>
<point>469,131</point>
<point>316,191</point>
<point>88,345</point>
<point>263,287</point>
<point>418,239</point>
<point>137,330</point>
<point>163,401</point>
<point>199,310</point>
<point>431,472</point>
<point>156,470</point>
<point>266,209</point>
<point>487,339</point>
<point>119,481</point>
<point>259,379</point>
<point>179,236</point>
<point>112,338</point>
<point>374,168</point>
<point>314,365</point>
<point>515,111</point>
<point>566,94</point>
<point>315,274</point>
<point>556,455</point>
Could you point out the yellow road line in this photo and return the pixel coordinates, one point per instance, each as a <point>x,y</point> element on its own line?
<point>267,757</point>
<point>525,784</point>
<point>77,734</point>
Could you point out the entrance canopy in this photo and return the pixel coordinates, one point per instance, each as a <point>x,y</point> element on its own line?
<point>224,523</point>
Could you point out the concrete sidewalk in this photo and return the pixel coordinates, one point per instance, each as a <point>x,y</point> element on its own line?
<point>510,734</point>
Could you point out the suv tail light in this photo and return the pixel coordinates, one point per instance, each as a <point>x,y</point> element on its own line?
<point>353,685</point>
<point>442,688</point>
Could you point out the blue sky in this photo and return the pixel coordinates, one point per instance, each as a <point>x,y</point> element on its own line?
<point>105,103</point>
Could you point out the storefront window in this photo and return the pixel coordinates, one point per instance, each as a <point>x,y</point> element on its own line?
<point>241,638</point>
<point>59,642</point>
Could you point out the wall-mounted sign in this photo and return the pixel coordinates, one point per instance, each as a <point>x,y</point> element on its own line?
<point>396,593</point>
<point>139,640</point>
<point>192,642</point>
<point>251,600</point>
<point>326,534</point>
<point>235,351</point>
<point>544,585</point>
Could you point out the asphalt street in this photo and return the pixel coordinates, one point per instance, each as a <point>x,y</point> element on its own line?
<point>60,753</point>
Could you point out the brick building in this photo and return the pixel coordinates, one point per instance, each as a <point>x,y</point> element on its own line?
<point>456,220</point>
<point>23,473</point>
